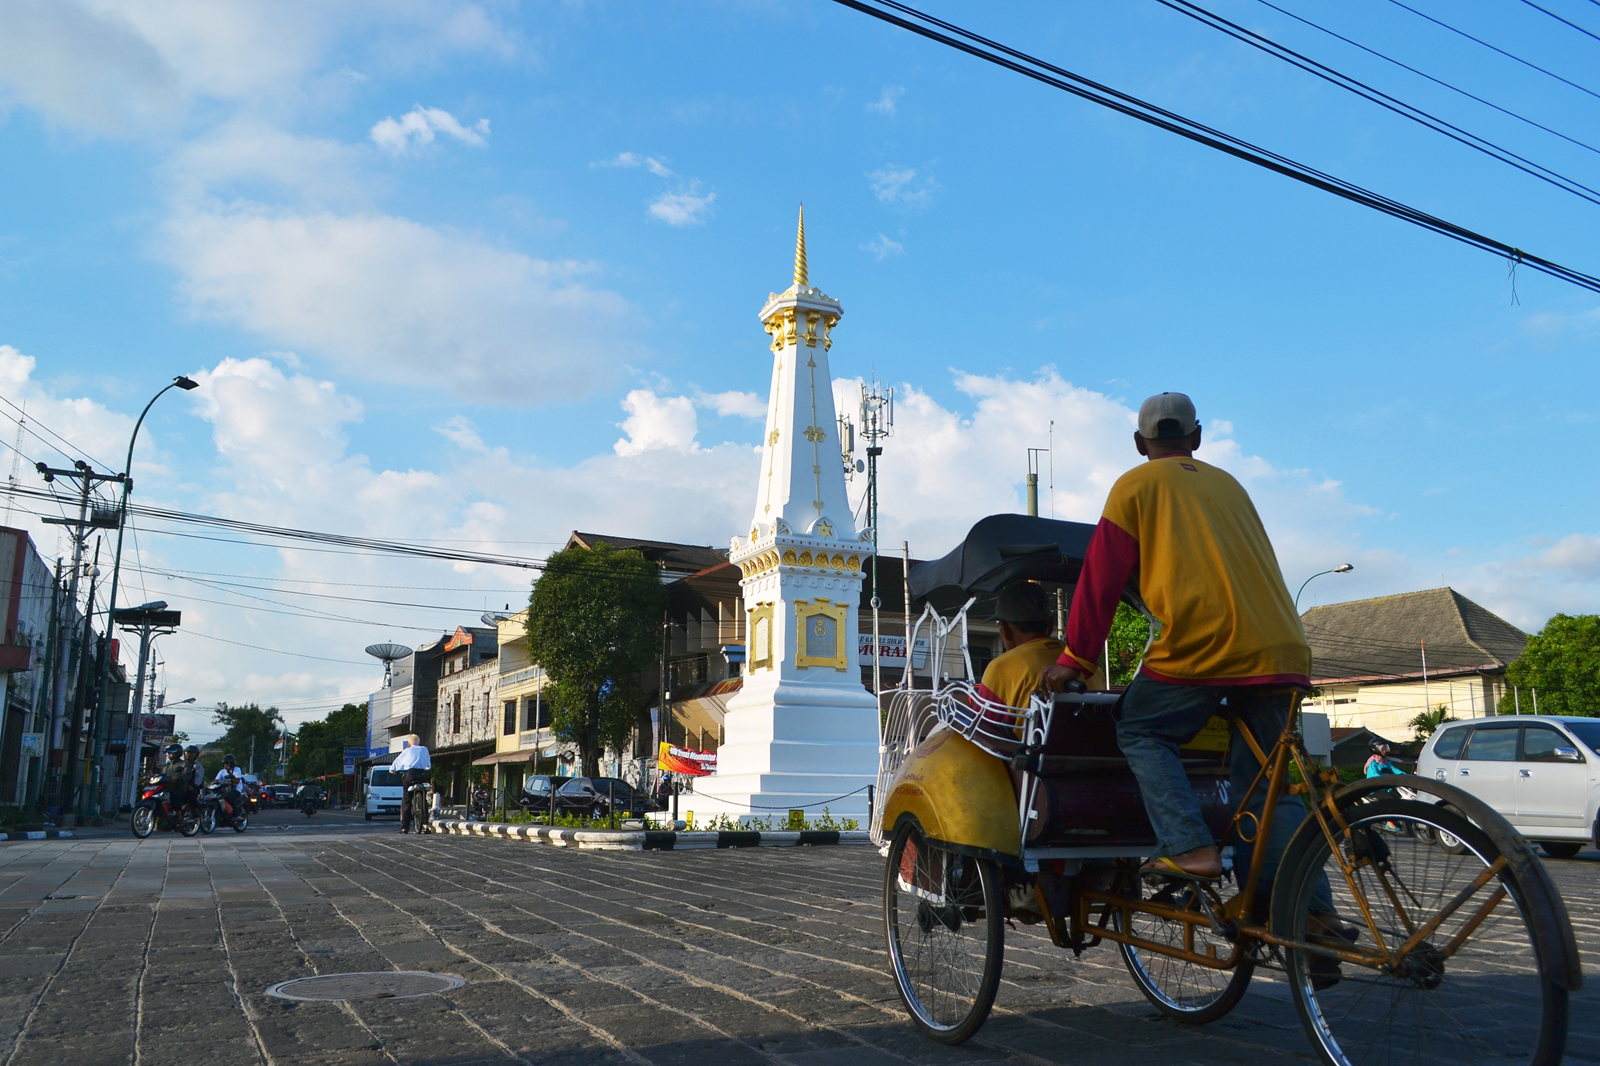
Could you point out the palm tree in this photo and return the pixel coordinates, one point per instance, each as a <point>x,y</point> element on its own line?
<point>1425,723</point>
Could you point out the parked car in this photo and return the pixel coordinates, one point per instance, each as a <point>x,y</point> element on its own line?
<point>1542,773</point>
<point>590,797</point>
<point>536,790</point>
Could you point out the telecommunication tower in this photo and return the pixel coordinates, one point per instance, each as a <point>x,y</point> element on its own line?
<point>877,423</point>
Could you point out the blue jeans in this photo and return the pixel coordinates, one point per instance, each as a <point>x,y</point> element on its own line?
<point>1158,716</point>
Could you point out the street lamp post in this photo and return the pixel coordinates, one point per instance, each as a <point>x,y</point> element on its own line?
<point>179,382</point>
<point>1342,568</point>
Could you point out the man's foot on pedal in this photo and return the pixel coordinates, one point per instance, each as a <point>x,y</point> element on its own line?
<point>1201,864</point>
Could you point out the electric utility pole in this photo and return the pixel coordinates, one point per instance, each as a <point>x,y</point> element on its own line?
<point>90,516</point>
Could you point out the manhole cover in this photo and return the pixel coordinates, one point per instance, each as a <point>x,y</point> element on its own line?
<point>335,987</point>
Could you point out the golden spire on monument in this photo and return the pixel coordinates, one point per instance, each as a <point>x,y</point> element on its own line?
<point>801,279</point>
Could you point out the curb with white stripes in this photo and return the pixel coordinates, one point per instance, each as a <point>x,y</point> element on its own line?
<point>651,839</point>
<point>37,834</point>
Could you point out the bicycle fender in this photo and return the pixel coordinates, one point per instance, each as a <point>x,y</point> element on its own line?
<point>1558,951</point>
<point>960,794</point>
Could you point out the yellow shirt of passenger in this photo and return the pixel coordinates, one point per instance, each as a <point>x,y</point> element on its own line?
<point>1012,676</point>
<point>1205,570</point>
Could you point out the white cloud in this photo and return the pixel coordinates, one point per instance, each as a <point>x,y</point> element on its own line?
<point>656,422</point>
<point>630,160</point>
<point>129,68</point>
<point>883,247</point>
<point>417,128</point>
<point>886,101</point>
<point>727,404</point>
<point>682,208</point>
<point>898,185</point>
<point>393,299</point>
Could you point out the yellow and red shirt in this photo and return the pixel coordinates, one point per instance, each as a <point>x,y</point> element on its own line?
<point>1012,676</point>
<point>1205,570</point>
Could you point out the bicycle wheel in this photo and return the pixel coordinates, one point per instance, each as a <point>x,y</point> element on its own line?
<point>1180,989</point>
<point>1481,999</point>
<point>143,822</point>
<point>943,919</point>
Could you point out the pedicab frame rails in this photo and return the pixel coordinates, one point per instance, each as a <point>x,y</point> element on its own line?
<point>970,819</point>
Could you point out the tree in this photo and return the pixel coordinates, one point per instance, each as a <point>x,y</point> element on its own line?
<point>593,623</point>
<point>243,724</point>
<point>1561,662</point>
<point>319,746</point>
<point>1427,723</point>
<point>1130,632</point>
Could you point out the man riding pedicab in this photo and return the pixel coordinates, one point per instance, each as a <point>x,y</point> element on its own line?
<point>1227,642</point>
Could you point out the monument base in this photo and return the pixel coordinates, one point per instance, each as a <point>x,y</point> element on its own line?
<point>800,746</point>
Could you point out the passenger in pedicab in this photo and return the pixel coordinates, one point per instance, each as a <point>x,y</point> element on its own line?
<point>1228,641</point>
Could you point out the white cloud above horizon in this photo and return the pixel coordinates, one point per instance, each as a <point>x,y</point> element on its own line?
<point>683,208</point>
<point>417,127</point>
<point>888,100</point>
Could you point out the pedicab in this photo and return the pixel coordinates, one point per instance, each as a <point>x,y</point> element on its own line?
<point>1435,957</point>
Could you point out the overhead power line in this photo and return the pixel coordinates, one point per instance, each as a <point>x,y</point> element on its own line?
<point>1496,48</point>
<point>1558,18</point>
<point>908,18</point>
<point>1383,100</point>
<point>1424,74</point>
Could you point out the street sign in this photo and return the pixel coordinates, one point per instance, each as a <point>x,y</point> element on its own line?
<point>350,767</point>
<point>32,745</point>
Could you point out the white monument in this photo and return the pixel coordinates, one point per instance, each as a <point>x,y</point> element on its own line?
<point>802,728</point>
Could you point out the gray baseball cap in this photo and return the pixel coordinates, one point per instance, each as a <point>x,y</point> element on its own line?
<point>1166,415</point>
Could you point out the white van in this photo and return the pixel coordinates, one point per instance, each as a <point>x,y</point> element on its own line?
<point>383,791</point>
<point>1542,773</point>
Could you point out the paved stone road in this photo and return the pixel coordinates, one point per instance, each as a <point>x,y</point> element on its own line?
<point>112,951</point>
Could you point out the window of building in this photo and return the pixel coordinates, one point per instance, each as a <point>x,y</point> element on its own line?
<point>508,722</point>
<point>455,713</point>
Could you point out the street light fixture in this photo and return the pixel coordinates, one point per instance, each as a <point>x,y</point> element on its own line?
<point>1342,568</point>
<point>179,382</point>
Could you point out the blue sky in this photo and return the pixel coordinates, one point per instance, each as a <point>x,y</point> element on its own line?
<point>485,273</point>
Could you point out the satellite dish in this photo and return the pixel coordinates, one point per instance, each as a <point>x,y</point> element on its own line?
<point>389,653</point>
<point>492,618</point>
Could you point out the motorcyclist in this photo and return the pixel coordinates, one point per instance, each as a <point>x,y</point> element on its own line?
<point>413,765</point>
<point>310,792</point>
<point>230,785</point>
<point>173,773</point>
<point>194,778</point>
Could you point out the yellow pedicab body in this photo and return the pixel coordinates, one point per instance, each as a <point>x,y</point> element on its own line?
<point>960,794</point>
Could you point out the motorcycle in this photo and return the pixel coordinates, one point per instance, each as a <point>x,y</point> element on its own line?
<point>222,806</point>
<point>154,811</point>
<point>308,806</point>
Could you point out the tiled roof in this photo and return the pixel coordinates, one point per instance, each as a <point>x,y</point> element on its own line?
<point>1383,638</point>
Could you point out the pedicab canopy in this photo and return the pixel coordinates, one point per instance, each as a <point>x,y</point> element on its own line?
<point>998,550</point>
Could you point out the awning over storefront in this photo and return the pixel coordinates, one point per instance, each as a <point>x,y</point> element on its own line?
<point>705,707</point>
<point>399,721</point>
<point>523,755</point>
